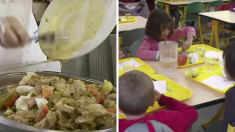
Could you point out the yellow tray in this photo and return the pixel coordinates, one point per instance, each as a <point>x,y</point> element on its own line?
<point>203,75</point>
<point>193,49</point>
<point>178,92</point>
<point>124,20</point>
<point>144,68</point>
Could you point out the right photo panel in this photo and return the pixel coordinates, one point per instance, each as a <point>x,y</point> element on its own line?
<point>176,66</point>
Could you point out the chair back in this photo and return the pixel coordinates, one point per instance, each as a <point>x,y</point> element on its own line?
<point>195,8</point>
<point>216,4</point>
<point>135,47</point>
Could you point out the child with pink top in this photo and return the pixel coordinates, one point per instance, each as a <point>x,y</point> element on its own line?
<point>160,27</point>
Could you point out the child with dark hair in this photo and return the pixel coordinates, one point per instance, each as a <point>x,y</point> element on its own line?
<point>160,27</point>
<point>229,59</point>
<point>136,94</point>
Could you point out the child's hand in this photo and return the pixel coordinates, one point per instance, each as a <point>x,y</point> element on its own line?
<point>186,45</point>
<point>157,95</point>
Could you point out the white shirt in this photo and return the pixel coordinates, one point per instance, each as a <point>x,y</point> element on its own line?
<point>31,53</point>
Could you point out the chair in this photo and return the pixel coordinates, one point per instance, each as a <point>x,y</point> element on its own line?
<point>191,14</point>
<point>205,30</point>
<point>135,47</point>
<point>216,4</point>
<point>128,38</point>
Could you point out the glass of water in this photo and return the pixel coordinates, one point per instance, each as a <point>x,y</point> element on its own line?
<point>210,64</point>
<point>201,52</point>
<point>128,67</point>
<point>212,9</point>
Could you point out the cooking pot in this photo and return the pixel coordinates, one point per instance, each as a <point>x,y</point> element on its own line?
<point>8,125</point>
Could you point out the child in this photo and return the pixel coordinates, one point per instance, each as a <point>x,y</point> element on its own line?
<point>229,58</point>
<point>136,94</point>
<point>160,27</point>
<point>232,5</point>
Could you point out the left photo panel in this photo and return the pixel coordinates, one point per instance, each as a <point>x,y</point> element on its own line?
<point>58,65</point>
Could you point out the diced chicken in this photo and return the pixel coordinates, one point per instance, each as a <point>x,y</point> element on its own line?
<point>78,87</point>
<point>64,107</point>
<point>33,82</point>
<point>31,102</point>
<point>48,87</point>
<point>109,104</point>
<point>108,120</point>
<point>61,84</point>
<point>24,116</point>
<point>49,122</point>
<point>112,96</point>
<point>38,88</point>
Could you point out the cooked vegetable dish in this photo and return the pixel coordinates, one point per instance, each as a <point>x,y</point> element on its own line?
<point>51,102</point>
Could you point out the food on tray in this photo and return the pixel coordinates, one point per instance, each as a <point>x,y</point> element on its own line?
<point>182,59</point>
<point>193,58</point>
<point>193,72</point>
<point>51,102</point>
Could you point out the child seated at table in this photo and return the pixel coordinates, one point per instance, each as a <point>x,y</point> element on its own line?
<point>160,27</point>
<point>229,59</point>
<point>136,94</point>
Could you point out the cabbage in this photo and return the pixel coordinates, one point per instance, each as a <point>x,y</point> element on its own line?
<point>41,102</point>
<point>24,90</point>
<point>21,103</point>
<point>26,78</point>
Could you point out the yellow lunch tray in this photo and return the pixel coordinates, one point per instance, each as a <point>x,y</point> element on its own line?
<point>193,49</point>
<point>203,75</point>
<point>178,92</point>
<point>125,20</point>
<point>173,0</point>
<point>144,68</point>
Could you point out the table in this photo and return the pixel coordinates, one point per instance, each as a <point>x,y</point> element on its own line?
<point>182,3</point>
<point>203,96</point>
<point>218,16</point>
<point>140,23</point>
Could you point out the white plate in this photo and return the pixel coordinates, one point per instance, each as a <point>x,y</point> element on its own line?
<point>223,73</point>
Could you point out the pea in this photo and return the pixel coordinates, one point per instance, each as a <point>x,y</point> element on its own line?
<point>35,107</point>
<point>4,92</point>
<point>52,83</point>
<point>66,94</point>
<point>78,105</point>
<point>71,80</point>
<point>65,101</point>
<point>33,95</point>
<point>92,126</point>
<point>84,127</point>
<point>56,92</point>
<point>13,108</point>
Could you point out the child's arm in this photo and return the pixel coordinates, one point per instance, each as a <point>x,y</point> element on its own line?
<point>146,52</point>
<point>229,108</point>
<point>180,116</point>
<point>183,33</point>
<point>188,32</point>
